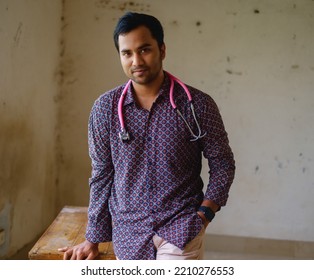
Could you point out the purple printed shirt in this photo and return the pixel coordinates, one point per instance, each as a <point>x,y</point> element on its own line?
<point>151,184</point>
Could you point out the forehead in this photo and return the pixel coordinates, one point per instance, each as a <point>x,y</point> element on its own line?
<point>136,38</point>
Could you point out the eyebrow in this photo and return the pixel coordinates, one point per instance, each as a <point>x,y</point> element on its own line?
<point>139,48</point>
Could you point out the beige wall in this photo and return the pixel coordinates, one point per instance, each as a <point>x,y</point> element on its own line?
<point>29,39</point>
<point>255,58</point>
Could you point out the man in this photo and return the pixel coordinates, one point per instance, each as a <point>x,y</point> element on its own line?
<point>145,189</point>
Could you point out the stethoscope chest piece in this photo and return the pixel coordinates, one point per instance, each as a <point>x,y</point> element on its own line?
<point>124,135</point>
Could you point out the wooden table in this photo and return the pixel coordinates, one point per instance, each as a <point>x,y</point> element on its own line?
<point>68,229</point>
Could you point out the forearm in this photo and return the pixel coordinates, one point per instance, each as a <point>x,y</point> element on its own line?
<point>221,173</point>
<point>99,226</point>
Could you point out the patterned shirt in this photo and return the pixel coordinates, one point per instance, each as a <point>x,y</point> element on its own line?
<point>151,184</point>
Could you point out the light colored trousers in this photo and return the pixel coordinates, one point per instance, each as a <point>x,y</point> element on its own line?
<point>194,250</point>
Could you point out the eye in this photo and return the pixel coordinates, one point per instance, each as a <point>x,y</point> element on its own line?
<point>126,54</point>
<point>145,50</point>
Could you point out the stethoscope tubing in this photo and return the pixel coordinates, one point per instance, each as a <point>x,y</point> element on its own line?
<point>120,105</point>
<point>124,135</point>
<point>172,80</point>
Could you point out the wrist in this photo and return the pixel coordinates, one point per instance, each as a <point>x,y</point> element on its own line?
<point>211,204</point>
<point>91,244</point>
<point>207,212</point>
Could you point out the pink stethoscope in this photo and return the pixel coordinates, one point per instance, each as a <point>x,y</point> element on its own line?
<point>124,135</point>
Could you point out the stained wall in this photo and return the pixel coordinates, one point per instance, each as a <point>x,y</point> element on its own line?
<point>255,58</point>
<point>29,65</point>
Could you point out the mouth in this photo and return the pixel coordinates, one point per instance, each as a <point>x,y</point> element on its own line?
<point>139,71</point>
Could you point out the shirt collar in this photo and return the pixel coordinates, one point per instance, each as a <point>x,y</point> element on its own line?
<point>163,91</point>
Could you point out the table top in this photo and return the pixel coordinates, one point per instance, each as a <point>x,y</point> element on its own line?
<point>68,229</point>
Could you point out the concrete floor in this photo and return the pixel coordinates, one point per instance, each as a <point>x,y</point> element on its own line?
<point>241,256</point>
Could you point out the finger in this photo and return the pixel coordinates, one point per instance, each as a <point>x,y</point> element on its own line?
<point>73,255</point>
<point>80,256</point>
<point>91,256</point>
<point>77,254</point>
<point>63,249</point>
<point>67,255</point>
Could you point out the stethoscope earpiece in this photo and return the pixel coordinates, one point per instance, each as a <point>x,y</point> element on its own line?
<point>124,135</point>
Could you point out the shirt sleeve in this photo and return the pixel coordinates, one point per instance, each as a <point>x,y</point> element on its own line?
<point>217,151</point>
<point>99,226</point>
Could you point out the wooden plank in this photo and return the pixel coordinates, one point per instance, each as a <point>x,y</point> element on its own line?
<point>68,229</point>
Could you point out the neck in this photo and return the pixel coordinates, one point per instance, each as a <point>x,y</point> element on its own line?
<point>146,94</point>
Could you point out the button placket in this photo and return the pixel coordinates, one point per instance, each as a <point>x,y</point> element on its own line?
<point>149,146</point>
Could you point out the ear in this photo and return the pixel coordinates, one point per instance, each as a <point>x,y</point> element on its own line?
<point>163,51</point>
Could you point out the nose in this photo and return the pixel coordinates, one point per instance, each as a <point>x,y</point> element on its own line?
<point>137,60</point>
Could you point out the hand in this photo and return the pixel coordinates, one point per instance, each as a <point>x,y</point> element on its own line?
<point>202,216</point>
<point>83,251</point>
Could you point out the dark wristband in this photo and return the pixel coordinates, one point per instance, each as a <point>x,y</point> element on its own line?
<point>208,213</point>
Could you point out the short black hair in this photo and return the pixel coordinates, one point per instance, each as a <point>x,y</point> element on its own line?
<point>131,21</point>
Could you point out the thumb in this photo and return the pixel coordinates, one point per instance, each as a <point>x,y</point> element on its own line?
<point>63,249</point>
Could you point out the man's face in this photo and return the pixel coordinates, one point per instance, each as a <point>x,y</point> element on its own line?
<point>141,58</point>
